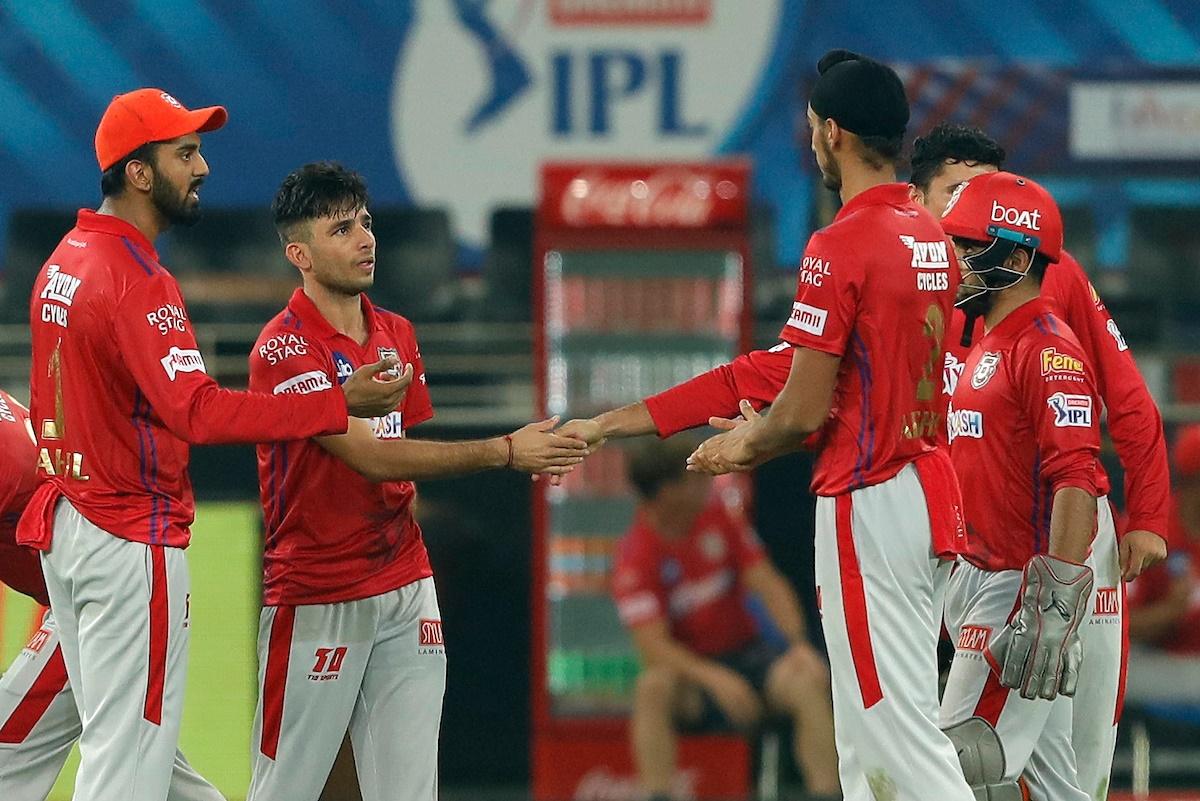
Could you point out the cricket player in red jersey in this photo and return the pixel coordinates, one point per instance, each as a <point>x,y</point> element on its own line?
<point>876,289</point>
<point>38,719</point>
<point>350,634</point>
<point>1024,434</point>
<point>941,161</point>
<point>119,391</point>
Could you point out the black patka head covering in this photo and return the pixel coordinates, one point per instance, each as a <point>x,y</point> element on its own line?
<point>864,96</point>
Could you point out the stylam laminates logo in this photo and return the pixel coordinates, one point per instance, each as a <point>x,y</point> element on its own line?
<point>485,92</point>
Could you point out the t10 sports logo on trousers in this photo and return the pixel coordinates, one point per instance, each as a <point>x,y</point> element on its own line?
<point>485,92</point>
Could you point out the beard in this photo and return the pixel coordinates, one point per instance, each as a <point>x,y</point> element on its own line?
<point>831,176</point>
<point>175,206</point>
<point>974,301</point>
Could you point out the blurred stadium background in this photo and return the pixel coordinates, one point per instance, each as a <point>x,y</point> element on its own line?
<point>449,107</point>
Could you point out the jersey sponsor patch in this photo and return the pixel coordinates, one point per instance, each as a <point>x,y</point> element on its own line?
<point>952,370</point>
<point>1060,365</point>
<point>182,360</point>
<point>6,413</point>
<point>984,370</point>
<point>58,294</point>
<point>390,426</point>
<point>1071,411</point>
<point>429,637</point>
<point>1108,602</point>
<point>814,270</point>
<point>973,638</point>
<point>927,255</point>
<point>808,318</point>
<point>964,423</point>
<point>282,347</point>
<point>1115,332</point>
<point>344,368</point>
<point>312,381</point>
<point>167,318</point>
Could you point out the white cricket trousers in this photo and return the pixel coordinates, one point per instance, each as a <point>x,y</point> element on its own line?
<point>880,587</point>
<point>39,723</point>
<point>121,610</point>
<point>1099,697</point>
<point>375,667</point>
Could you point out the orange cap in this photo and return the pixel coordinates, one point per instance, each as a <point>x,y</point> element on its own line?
<point>148,115</point>
<point>1186,453</point>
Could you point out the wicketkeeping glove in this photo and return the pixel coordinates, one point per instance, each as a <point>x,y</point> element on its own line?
<point>1039,651</point>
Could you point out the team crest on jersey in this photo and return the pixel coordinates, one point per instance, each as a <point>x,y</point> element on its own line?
<point>390,353</point>
<point>984,370</point>
<point>1071,411</point>
<point>712,545</point>
<point>952,370</point>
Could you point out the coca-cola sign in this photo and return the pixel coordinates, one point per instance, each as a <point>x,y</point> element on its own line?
<point>680,195</point>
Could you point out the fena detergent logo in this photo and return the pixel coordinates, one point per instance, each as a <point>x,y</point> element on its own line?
<point>485,92</point>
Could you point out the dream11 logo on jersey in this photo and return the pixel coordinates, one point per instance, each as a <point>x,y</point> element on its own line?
<point>484,92</point>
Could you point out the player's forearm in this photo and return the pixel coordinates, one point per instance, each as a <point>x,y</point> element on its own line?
<point>421,460</point>
<point>1072,523</point>
<point>669,653</point>
<point>628,421</point>
<point>784,608</point>
<point>208,414</point>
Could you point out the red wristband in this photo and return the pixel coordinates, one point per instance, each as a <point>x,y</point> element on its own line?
<point>508,439</point>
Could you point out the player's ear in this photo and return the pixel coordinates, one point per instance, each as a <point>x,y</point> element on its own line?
<point>916,195</point>
<point>297,253</point>
<point>139,174</point>
<point>1019,260</point>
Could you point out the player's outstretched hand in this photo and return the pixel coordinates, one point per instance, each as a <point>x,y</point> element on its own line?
<point>582,428</point>
<point>1139,550</point>
<point>538,449</point>
<point>372,391</point>
<point>729,451</point>
<point>1039,651</point>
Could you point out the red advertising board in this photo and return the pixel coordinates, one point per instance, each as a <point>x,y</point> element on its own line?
<point>680,195</point>
<point>599,768</point>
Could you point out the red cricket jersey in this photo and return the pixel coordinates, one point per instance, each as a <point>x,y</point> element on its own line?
<point>876,288</point>
<point>119,390</point>
<point>1133,418</point>
<point>1183,561</point>
<point>20,567</point>
<point>332,535</point>
<point>695,583</point>
<point>1024,423</point>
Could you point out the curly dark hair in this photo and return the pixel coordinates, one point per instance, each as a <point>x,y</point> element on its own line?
<point>951,143</point>
<point>321,189</point>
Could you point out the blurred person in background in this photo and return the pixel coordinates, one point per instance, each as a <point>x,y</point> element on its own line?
<point>680,580</point>
<point>1165,602</point>
<point>350,634</point>
<point>941,161</point>
<point>39,721</point>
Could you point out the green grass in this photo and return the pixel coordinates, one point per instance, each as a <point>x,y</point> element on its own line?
<point>224,560</point>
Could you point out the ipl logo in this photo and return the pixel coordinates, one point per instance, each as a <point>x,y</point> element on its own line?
<point>486,90</point>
